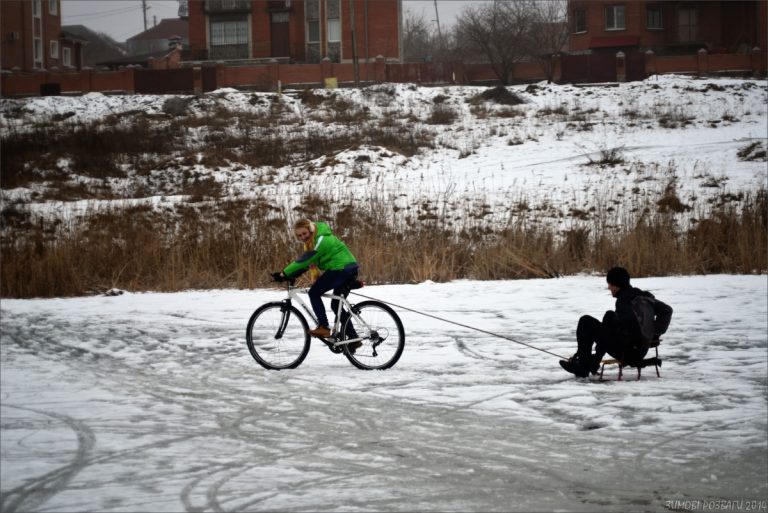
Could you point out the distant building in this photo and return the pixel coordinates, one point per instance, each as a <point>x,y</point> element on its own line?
<point>667,26</point>
<point>304,31</point>
<point>32,39</point>
<point>160,37</point>
<point>98,47</point>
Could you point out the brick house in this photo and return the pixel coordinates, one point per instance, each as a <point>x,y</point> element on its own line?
<point>160,37</point>
<point>667,26</point>
<point>32,39</point>
<point>299,31</point>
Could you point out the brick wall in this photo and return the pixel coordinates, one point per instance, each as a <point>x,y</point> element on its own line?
<point>723,26</point>
<point>51,32</point>
<point>16,18</point>
<point>16,52</point>
<point>704,63</point>
<point>29,84</point>
<point>380,36</point>
<point>266,77</point>
<point>197,30</point>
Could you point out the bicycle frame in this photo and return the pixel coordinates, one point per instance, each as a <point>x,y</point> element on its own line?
<point>293,296</point>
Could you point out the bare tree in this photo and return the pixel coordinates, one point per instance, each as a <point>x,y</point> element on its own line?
<point>548,33</point>
<point>498,31</point>
<point>504,32</point>
<point>419,39</point>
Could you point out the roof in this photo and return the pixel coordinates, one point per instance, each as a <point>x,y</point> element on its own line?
<point>71,36</point>
<point>166,29</point>
<point>140,60</point>
<point>99,47</point>
<point>607,42</point>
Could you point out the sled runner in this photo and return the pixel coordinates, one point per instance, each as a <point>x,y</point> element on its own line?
<point>647,362</point>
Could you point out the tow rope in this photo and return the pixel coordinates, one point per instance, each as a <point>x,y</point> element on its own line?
<point>462,325</point>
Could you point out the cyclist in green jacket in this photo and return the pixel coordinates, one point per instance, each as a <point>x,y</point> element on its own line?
<point>324,252</point>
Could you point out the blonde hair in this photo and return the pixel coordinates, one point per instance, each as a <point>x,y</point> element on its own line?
<point>304,223</point>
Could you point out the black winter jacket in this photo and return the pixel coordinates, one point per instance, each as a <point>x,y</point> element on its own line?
<point>626,325</point>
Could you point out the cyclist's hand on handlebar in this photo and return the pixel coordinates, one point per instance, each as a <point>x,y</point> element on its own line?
<point>279,277</point>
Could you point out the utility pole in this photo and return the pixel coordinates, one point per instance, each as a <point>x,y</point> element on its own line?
<point>355,62</point>
<point>439,34</point>
<point>144,10</point>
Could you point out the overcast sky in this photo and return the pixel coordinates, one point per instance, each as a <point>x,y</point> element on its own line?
<point>122,19</point>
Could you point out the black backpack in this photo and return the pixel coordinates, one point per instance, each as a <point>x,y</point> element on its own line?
<point>644,308</point>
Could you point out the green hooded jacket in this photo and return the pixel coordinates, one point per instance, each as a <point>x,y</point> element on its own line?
<point>328,253</point>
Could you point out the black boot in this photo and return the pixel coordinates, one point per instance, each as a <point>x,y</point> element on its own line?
<point>574,365</point>
<point>594,363</point>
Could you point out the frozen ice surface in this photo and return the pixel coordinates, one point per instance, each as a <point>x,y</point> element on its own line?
<point>151,402</point>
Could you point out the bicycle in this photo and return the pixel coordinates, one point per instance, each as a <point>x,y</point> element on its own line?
<point>278,337</point>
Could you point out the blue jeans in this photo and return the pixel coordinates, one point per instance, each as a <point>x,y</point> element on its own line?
<point>330,280</point>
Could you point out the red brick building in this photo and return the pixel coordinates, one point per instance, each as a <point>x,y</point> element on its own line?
<point>160,37</point>
<point>666,26</point>
<point>300,31</point>
<point>30,31</point>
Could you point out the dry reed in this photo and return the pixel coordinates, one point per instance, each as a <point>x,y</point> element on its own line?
<point>226,243</point>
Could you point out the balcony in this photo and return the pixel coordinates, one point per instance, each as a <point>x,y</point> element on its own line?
<point>226,52</point>
<point>227,6</point>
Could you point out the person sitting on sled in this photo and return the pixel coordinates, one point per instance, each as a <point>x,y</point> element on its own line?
<point>620,334</point>
<point>322,252</point>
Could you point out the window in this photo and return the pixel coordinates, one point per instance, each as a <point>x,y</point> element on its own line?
<point>66,56</point>
<point>313,34</point>
<point>313,30</point>
<point>38,52</point>
<point>53,7</point>
<point>334,30</point>
<point>229,33</point>
<point>230,39</point>
<point>334,20</point>
<point>54,49</point>
<point>688,25</point>
<point>579,20</point>
<point>36,8</point>
<point>614,17</point>
<point>281,17</point>
<point>653,17</point>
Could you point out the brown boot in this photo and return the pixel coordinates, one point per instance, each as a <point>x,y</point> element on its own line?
<point>321,332</point>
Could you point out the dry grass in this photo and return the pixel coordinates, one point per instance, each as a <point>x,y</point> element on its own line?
<point>210,241</point>
<point>237,243</point>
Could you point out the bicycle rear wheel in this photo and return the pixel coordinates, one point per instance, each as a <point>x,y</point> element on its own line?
<point>277,336</point>
<point>381,333</point>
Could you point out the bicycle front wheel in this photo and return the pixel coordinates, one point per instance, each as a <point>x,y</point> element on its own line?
<point>381,333</point>
<point>277,336</point>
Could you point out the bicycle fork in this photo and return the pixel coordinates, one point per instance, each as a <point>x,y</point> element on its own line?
<point>285,309</point>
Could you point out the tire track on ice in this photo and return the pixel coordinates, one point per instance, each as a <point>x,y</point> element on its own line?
<point>37,491</point>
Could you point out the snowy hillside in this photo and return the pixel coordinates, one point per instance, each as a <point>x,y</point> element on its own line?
<point>566,154</point>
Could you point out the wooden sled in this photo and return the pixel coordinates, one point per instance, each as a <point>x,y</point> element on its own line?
<point>647,362</point>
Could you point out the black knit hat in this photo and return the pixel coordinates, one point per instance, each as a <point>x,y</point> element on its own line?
<point>618,276</point>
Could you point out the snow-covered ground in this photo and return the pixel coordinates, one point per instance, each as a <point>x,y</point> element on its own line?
<point>491,161</point>
<point>151,402</point>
